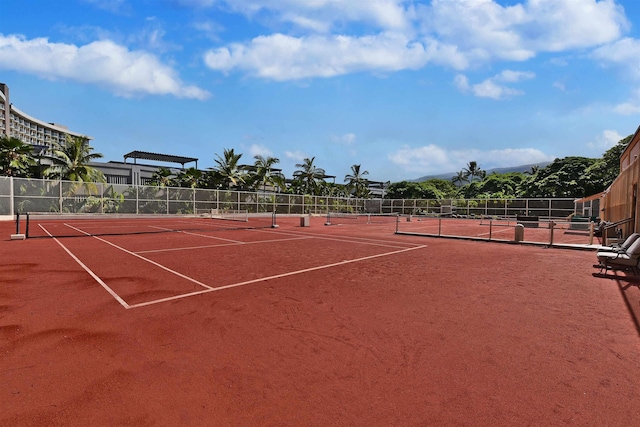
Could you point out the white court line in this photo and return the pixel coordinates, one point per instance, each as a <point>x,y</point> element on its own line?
<point>144,259</point>
<point>195,234</point>
<point>221,245</point>
<point>277,276</point>
<point>88,270</point>
<point>348,239</point>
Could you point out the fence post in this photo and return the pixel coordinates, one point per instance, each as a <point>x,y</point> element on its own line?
<point>11,201</point>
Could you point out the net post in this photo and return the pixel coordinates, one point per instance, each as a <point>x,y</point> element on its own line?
<point>328,221</point>
<point>18,236</point>
<point>26,227</point>
<point>274,224</point>
<point>490,228</point>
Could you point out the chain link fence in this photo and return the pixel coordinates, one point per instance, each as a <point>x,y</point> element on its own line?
<point>37,195</point>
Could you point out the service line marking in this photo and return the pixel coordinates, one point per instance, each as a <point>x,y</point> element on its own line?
<point>88,270</point>
<point>347,239</point>
<point>186,248</point>
<point>144,259</point>
<point>196,234</point>
<point>277,276</point>
<point>210,288</point>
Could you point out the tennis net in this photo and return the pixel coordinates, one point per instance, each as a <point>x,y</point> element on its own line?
<point>342,218</point>
<point>36,225</point>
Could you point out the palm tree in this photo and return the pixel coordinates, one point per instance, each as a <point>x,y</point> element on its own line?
<point>264,174</point>
<point>191,178</point>
<point>16,157</point>
<point>227,170</point>
<point>473,170</point>
<point>459,178</point>
<point>309,176</point>
<point>162,177</point>
<point>70,161</point>
<point>356,183</point>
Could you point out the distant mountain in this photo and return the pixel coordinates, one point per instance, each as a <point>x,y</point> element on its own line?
<point>449,175</point>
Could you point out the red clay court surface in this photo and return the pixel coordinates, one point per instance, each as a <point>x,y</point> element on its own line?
<point>313,326</point>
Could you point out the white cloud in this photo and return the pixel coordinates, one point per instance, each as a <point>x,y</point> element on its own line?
<point>346,139</point>
<point>490,88</point>
<point>103,62</point>
<point>606,140</point>
<point>402,34</point>
<point>433,159</point>
<point>485,30</point>
<point>624,54</point>
<point>631,106</point>
<point>559,25</point>
<point>322,15</point>
<point>260,150</point>
<point>560,86</point>
<point>627,108</point>
<point>209,29</point>
<point>420,159</point>
<point>281,57</point>
<point>298,156</point>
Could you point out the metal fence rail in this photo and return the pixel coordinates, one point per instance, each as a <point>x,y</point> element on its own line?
<point>37,195</point>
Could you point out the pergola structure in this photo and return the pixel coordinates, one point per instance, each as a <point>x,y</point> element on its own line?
<point>159,158</point>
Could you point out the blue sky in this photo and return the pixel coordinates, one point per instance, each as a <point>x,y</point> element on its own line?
<point>403,88</point>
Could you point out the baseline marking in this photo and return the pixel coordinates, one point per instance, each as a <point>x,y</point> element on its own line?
<point>277,276</point>
<point>88,270</point>
<point>144,259</point>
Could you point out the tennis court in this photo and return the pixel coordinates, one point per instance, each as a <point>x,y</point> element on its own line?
<point>557,231</point>
<point>182,321</point>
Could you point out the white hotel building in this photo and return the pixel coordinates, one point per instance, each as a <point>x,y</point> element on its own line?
<point>41,135</point>
<point>17,124</point>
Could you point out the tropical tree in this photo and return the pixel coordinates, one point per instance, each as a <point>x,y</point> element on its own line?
<point>70,160</point>
<point>604,171</point>
<point>473,171</point>
<point>16,158</point>
<point>227,173</point>
<point>191,178</point>
<point>162,177</point>
<point>460,178</point>
<point>356,183</point>
<point>405,190</point>
<point>534,170</point>
<point>264,175</point>
<point>309,177</point>
<point>566,177</point>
